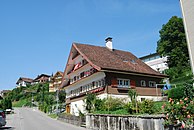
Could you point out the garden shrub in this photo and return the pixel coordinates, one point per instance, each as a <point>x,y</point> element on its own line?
<point>129,108</point>
<point>176,93</point>
<point>113,104</point>
<point>147,106</point>
<point>181,110</point>
<point>99,104</point>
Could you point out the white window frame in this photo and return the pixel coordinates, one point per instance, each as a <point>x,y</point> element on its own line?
<point>152,82</point>
<point>123,83</point>
<point>143,83</point>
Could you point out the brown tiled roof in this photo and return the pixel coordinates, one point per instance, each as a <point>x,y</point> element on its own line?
<point>24,79</point>
<point>42,75</point>
<point>61,73</point>
<point>105,59</point>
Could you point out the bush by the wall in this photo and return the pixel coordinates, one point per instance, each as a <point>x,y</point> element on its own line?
<point>147,106</point>
<point>113,104</point>
<point>176,93</point>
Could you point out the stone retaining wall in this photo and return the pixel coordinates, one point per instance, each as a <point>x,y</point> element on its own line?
<point>115,122</point>
<point>75,120</point>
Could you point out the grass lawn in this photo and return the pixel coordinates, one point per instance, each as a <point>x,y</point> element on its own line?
<point>19,103</point>
<point>117,112</point>
<point>54,116</point>
<point>158,106</point>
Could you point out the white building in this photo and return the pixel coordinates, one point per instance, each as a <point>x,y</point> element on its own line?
<point>187,7</point>
<point>24,82</point>
<point>156,62</point>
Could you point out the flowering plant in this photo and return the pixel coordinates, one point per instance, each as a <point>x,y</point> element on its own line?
<point>179,112</point>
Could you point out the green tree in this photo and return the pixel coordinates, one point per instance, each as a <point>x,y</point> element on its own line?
<point>62,96</point>
<point>6,103</point>
<point>90,102</point>
<point>133,96</point>
<point>172,43</point>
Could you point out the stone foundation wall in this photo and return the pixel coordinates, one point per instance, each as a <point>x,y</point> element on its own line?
<point>74,120</point>
<point>115,122</point>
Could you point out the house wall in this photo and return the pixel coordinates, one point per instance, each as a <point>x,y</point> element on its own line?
<point>76,107</point>
<point>135,82</point>
<point>111,89</point>
<point>23,83</point>
<point>152,93</point>
<point>188,18</point>
<point>126,97</point>
<point>94,77</point>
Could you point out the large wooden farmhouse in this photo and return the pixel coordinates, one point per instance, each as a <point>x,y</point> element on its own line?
<point>106,71</point>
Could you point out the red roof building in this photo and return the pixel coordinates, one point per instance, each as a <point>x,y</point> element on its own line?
<point>106,71</point>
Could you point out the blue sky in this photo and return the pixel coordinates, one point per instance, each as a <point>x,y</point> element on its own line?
<point>36,35</point>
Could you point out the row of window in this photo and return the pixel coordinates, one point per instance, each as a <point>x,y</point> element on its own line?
<point>86,88</point>
<point>152,58</point>
<point>82,75</point>
<point>151,83</point>
<point>125,83</point>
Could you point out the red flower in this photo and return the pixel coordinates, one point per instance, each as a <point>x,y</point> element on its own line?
<point>184,107</point>
<point>170,99</point>
<point>181,101</point>
<point>163,106</point>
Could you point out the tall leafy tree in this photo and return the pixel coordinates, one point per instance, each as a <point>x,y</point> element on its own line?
<point>172,43</point>
<point>90,102</point>
<point>62,96</point>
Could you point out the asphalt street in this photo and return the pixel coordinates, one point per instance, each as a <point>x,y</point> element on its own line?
<point>33,119</point>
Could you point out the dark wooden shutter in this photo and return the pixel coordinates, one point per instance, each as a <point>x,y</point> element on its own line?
<point>132,83</point>
<point>114,82</point>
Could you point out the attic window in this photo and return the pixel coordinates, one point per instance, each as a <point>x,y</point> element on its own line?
<point>133,61</point>
<point>125,61</point>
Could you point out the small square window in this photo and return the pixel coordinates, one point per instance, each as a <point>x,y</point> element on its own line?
<point>152,84</point>
<point>143,83</point>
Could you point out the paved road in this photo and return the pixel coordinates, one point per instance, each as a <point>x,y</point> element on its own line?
<point>31,119</point>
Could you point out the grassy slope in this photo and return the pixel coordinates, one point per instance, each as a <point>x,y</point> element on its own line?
<point>19,103</point>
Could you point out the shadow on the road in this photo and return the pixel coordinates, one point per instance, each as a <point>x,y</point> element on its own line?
<point>6,128</point>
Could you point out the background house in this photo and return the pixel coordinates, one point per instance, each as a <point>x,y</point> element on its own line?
<point>24,82</point>
<point>3,93</point>
<point>43,78</point>
<point>156,62</point>
<point>106,72</point>
<point>55,81</point>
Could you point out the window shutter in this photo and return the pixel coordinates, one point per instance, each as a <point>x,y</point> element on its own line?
<point>132,83</point>
<point>114,82</point>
